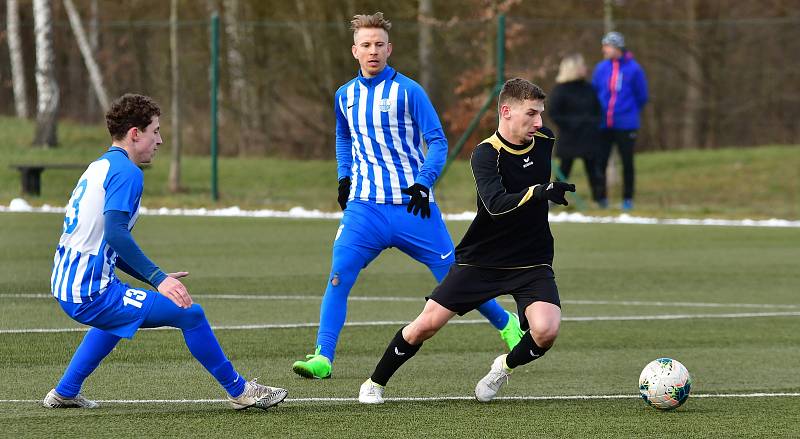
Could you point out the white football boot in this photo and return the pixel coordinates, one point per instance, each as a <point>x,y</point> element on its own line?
<point>370,393</point>
<point>55,401</point>
<point>488,386</point>
<point>258,395</point>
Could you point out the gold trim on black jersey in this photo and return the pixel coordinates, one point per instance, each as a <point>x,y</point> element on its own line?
<point>528,195</point>
<point>525,198</point>
<point>498,145</point>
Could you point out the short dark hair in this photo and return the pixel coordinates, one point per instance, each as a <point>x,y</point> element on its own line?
<point>130,110</point>
<point>519,89</point>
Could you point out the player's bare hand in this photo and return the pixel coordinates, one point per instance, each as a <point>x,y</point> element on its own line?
<point>178,274</point>
<point>175,291</point>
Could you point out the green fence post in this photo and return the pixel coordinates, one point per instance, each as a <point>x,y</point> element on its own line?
<point>214,79</point>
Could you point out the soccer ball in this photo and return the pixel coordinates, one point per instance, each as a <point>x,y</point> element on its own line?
<point>665,384</point>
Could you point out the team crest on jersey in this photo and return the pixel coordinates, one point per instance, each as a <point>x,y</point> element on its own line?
<point>385,105</point>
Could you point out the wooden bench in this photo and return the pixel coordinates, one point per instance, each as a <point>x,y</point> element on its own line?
<point>31,174</point>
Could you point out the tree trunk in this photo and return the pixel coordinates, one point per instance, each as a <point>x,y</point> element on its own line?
<point>694,80</point>
<point>424,18</point>
<point>608,16</point>
<point>175,163</point>
<point>94,45</point>
<point>46,84</point>
<point>17,64</point>
<point>608,26</point>
<point>88,57</point>
<point>240,88</point>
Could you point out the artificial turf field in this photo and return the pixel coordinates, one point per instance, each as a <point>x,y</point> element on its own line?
<point>722,300</point>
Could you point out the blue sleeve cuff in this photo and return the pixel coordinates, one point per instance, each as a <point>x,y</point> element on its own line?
<point>157,277</point>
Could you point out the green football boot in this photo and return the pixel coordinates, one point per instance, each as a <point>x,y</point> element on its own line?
<point>512,333</point>
<point>316,366</point>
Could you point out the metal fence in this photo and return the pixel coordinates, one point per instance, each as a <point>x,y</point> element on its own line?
<point>278,77</point>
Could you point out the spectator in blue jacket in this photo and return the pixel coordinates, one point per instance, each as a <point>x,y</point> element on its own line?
<point>621,88</point>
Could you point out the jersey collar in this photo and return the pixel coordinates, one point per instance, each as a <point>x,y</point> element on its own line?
<point>514,148</point>
<point>387,72</point>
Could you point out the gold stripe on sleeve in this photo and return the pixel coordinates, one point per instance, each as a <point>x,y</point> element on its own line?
<point>527,196</point>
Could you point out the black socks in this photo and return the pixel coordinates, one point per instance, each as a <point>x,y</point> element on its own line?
<point>524,352</point>
<point>397,353</point>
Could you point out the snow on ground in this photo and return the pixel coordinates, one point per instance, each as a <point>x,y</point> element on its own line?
<point>20,205</point>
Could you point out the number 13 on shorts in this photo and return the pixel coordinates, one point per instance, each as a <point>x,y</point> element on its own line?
<point>134,297</point>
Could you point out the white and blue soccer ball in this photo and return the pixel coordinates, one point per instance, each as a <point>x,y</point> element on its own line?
<point>665,384</point>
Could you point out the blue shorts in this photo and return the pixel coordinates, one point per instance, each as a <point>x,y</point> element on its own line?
<point>369,228</point>
<point>120,310</point>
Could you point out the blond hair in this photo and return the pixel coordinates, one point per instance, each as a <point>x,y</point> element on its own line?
<point>572,68</point>
<point>376,20</point>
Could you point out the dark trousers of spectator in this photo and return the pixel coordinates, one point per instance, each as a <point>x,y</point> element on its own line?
<point>625,141</point>
<point>592,173</point>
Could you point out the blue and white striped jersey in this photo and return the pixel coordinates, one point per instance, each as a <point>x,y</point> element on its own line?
<point>83,265</point>
<point>381,123</point>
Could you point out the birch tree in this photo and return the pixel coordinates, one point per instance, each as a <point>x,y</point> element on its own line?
<point>94,46</point>
<point>46,84</point>
<point>17,65</point>
<point>88,57</point>
<point>241,90</point>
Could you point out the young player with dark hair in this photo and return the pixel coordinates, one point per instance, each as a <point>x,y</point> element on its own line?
<point>96,239</point>
<point>508,248</point>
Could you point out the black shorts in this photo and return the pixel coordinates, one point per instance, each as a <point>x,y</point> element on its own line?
<point>467,287</point>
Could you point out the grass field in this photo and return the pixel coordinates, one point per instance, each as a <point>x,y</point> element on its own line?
<point>756,183</point>
<point>722,300</point>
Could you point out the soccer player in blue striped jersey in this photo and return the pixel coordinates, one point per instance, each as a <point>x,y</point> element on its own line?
<point>385,185</point>
<point>97,239</point>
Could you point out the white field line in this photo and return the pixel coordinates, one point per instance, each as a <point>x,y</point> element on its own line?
<point>428,398</point>
<point>256,296</point>
<point>20,205</point>
<point>453,322</point>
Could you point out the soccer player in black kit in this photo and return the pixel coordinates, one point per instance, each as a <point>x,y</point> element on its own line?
<point>508,248</point>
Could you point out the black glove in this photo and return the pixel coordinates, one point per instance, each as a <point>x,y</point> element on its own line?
<point>344,192</point>
<point>420,201</point>
<point>553,191</point>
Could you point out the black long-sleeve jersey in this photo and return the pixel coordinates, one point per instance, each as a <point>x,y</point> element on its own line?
<point>511,229</point>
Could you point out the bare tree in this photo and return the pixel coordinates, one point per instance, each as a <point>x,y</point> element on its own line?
<point>17,65</point>
<point>425,18</point>
<point>608,26</point>
<point>694,81</point>
<point>321,67</point>
<point>175,163</point>
<point>94,45</point>
<point>88,57</point>
<point>46,84</point>
<point>608,16</point>
<point>242,93</point>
